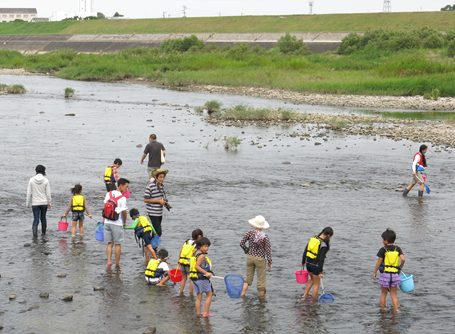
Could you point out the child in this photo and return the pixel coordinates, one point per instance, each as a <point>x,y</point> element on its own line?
<point>157,272</point>
<point>418,166</point>
<point>143,230</point>
<point>200,273</point>
<point>390,278</point>
<point>314,256</point>
<point>77,205</point>
<point>186,253</point>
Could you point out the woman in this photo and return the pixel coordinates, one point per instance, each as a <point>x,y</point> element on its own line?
<point>39,195</point>
<point>418,166</point>
<point>259,253</point>
<point>314,256</point>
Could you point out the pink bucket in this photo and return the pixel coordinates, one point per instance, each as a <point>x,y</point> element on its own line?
<point>63,225</point>
<point>301,276</point>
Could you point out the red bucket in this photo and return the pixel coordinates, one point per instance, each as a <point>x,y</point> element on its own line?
<point>63,225</point>
<point>301,276</point>
<point>175,275</point>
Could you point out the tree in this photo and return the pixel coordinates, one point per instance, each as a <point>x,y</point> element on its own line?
<point>100,15</point>
<point>118,15</point>
<point>448,8</point>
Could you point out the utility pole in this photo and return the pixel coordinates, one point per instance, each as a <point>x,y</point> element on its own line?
<point>164,15</point>
<point>387,6</point>
<point>184,11</point>
<point>311,3</point>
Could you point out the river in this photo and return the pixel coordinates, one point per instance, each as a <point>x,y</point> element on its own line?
<point>218,191</point>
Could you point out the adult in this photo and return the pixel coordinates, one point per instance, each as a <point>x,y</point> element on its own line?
<point>113,229</point>
<point>39,196</point>
<point>111,176</point>
<point>259,254</point>
<point>155,199</point>
<point>418,166</point>
<point>153,149</point>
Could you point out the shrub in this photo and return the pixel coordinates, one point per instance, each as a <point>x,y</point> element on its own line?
<point>212,106</point>
<point>231,143</point>
<point>258,50</point>
<point>434,41</point>
<point>3,88</point>
<point>181,45</point>
<point>451,49</point>
<point>350,44</point>
<point>289,44</point>
<point>16,89</point>
<point>238,52</point>
<point>336,124</point>
<point>69,92</point>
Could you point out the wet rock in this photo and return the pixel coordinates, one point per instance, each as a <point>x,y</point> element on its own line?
<point>305,185</point>
<point>317,143</point>
<point>44,294</point>
<point>259,146</point>
<point>11,297</point>
<point>286,162</point>
<point>150,120</point>
<point>61,275</point>
<point>98,288</point>
<point>343,181</point>
<point>68,298</point>
<point>70,114</point>
<point>139,146</point>
<point>150,330</point>
<point>27,245</point>
<point>356,188</point>
<point>399,189</point>
<point>34,307</point>
<point>23,301</point>
<point>438,151</point>
<point>1,327</point>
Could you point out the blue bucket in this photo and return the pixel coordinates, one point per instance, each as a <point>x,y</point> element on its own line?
<point>407,282</point>
<point>234,285</point>
<point>99,233</point>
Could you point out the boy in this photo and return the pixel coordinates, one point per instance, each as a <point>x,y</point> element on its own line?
<point>200,273</point>
<point>111,175</point>
<point>186,253</point>
<point>143,230</point>
<point>390,278</point>
<point>157,272</point>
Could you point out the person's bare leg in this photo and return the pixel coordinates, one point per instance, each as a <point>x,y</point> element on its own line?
<point>73,229</point>
<point>393,295</point>
<point>198,303</point>
<point>81,227</point>
<point>316,283</point>
<point>182,283</point>
<point>208,301</point>
<point>245,287</point>
<point>308,287</point>
<point>118,251</point>
<point>109,252</point>
<point>383,297</point>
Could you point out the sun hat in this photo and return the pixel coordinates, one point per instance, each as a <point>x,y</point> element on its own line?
<point>259,222</point>
<point>159,171</point>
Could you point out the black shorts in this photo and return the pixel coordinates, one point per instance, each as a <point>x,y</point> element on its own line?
<point>147,237</point>
<point>312,269</point>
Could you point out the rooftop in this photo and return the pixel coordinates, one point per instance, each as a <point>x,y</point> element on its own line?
<point>18,10</point>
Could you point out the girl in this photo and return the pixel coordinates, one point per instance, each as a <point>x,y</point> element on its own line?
<point>77,205</point>
<point>314,256</point>
<point>186,253</point>
<point>418,166</point>
<point>200,273</point>
<point>39,197</point>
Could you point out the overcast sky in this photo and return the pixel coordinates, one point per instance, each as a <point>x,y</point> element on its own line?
<point>174,8</point>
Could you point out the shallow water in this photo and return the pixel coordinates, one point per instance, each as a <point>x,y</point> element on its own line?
<point>215,190</point>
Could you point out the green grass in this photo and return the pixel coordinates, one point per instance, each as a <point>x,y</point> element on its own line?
<point>244,24</point>
<point>246,113</point>
<point>371,72</point>
<point>69,92</point>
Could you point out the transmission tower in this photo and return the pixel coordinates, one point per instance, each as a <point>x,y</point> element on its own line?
<point>387,6</point>
<point>311,6</point>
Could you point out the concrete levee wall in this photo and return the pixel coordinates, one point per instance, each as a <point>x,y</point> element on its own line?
<point>317,42</point>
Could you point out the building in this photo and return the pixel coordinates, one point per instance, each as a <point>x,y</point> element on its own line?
<point>85,10</point>
<point>11,14</point>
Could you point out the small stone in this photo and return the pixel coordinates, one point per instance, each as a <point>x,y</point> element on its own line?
<point>438,151</point>
<point>286,162</point>
<point>98,288</point>
<point>150,330</point>
<point>44,294</point>
<point>149,120</point>
<point>27,245</point>
<point>61,275</point>
<point>399,189</point>
<point>259,146</point>
<point>140,145</point>
<point>343,181</point>
<point>305,185</point>
<point>68,298</point>
<point>1,327</point>
<point>317,143</point>
<point>11,297</point>
<point>70,114</point>
<point>356,189</point>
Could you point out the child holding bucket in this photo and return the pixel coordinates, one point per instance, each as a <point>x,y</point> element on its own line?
<point>77,205</point>
<point>390,278</point>
<point>186,253</point>
<point>314,256</point>
<point>200,273</point>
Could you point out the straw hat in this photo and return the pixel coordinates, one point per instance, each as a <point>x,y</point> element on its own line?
<point>259,222</point>
<point>159,171</point>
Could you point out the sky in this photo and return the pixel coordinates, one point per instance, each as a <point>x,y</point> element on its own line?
<point>194,8</point>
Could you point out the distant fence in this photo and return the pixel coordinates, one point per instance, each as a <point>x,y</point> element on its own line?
<point>317,42</point>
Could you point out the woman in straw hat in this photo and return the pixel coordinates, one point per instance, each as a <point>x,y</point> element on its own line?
<point>259,254</point>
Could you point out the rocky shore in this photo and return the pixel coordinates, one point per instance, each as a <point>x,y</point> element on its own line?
<point>359,101</point>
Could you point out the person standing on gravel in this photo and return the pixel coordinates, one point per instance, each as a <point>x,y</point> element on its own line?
<point>153,149</point>
<point>39,196</point>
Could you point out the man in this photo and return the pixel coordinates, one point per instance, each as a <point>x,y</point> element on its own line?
<point>153,149</point>
<point>113,229</point>
<point>111,175</point>
<point>154,199</point>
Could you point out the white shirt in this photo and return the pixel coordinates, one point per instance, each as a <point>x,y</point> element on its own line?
<point>121,206</point>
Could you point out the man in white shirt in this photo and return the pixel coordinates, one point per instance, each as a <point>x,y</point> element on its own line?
<point>113,229</point>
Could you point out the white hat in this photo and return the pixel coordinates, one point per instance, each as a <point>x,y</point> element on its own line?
<point>259,222</point>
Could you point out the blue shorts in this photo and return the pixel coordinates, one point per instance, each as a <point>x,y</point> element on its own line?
<point>312,269</point>
<point>147,237</point>
<point>202,285</point>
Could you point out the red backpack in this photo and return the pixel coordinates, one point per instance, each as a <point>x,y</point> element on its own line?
<point>110,206</point>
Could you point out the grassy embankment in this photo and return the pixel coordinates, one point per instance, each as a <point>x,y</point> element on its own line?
<point>441,21</point>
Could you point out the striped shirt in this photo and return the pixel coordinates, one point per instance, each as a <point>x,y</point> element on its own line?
<point>152,191</point>
<point>258,247</point>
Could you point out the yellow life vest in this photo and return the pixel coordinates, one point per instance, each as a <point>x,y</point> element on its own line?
<point>391,260</point>
<point>313,247</point>
<point>78,203</point>
<point>194,274</point>
<point>108,174</point>
<point>152,268</point>
<point>143,226</point>
<point>186,253</point>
